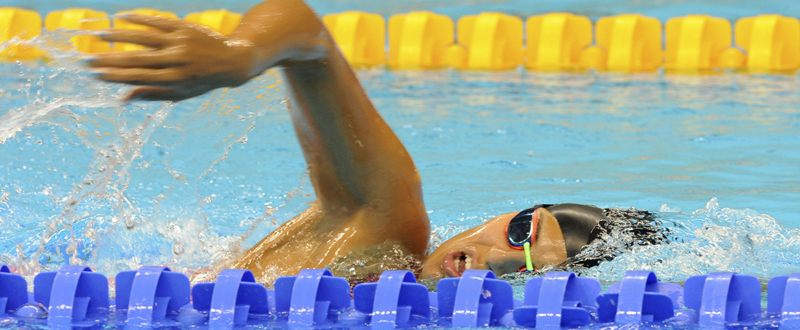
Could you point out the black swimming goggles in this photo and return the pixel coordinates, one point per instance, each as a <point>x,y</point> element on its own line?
<point>521,233</point>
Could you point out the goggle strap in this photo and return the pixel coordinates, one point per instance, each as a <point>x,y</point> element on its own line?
<point>534,228</point>
<point>528,261</point>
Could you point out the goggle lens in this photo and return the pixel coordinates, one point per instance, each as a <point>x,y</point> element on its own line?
<point>519,230</point>
<point>521,227</point>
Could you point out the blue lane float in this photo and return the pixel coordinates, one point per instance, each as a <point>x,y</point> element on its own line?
<point>74,294</point>
<point>156,297</point>
<point>151,294</point>
<point>722,299</point>
<point>476,299</point>
<point>13,291</point>
<point>560,299</point>
<point>313,297</point>
<point>639,298</point>
<point>782,300</point>
<point>232,300</point>
<point>394,301</point>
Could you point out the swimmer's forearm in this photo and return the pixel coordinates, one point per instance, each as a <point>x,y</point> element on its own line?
<point>354,157</point>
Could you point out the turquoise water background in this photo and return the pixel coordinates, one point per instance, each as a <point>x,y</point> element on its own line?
<point>86,180</point>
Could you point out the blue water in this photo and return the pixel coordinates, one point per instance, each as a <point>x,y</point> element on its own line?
<point>86,180</point>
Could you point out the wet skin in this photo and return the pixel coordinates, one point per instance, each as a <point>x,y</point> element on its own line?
<point>367,187</point>
<point>486,247</point>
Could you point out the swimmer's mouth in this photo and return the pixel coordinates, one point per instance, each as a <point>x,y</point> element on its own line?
<point>455,263</point>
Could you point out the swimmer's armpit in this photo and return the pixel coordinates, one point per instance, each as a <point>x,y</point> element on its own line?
<point>188,60</point>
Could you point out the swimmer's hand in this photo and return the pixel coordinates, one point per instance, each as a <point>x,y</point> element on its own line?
<point>187,60</point>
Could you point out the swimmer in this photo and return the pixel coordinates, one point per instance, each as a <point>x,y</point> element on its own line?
<point>367,187</point>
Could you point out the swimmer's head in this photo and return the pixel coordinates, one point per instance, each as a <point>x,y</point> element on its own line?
<point>488,246</point>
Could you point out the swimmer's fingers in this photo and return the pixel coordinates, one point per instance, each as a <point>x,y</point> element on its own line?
<point>136,59</point>
<point>162,23</point>
<point>141,76</point>
<point>156,94</point>
<point>152,39</point>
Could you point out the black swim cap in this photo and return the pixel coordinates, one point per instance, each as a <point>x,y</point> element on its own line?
<point>579,224</point>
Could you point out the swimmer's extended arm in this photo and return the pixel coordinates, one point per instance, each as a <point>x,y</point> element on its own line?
<point>359,168</point>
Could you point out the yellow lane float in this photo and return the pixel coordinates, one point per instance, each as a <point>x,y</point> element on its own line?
<point>772,42</point>
<point>493,41</point>
<point>556,41</point>
<point>360,36</point>
<point>418,40</point>
<point>19,24</point>
<point>489,41</point>
<point>697,42</point>
<point>632,42</point>
<point>81,19</point>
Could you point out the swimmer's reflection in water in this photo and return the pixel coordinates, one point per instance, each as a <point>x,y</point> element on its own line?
<point>368,189</point>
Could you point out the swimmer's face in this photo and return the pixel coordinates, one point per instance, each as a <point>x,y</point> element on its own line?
<point>486,247</point>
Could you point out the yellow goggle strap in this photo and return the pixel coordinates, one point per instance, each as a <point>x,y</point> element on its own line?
<point>528,262</point>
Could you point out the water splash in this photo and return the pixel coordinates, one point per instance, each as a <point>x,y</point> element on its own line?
<point>93,181</point>
<point>711,239</point>
<point>367,264</point>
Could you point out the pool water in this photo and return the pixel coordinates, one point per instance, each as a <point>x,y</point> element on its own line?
<point>87,180</point>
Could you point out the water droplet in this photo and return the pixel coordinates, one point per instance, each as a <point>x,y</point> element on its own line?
<point>131,221</point>
<point>178,249</point>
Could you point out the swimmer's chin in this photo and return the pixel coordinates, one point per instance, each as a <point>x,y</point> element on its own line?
<point>433,267</point>
<point>432,271</point>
